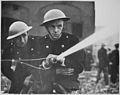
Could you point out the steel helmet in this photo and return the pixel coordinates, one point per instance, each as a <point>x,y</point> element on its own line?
<point>17,28</point>
<point>54,14</point>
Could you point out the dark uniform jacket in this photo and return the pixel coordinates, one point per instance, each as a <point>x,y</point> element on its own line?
<point>18,76</point>
<point>38,47</point>
<point>115,61</point>
<point>75,60</point>
<point>103,57</point>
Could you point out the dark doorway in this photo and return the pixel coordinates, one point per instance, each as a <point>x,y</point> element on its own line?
<point>77,29</point>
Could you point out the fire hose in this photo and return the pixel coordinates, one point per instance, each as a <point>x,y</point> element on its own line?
<point>51,60</point>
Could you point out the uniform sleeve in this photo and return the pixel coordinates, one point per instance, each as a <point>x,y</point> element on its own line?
<point>74,40</point>
<point>6,65</point>
<point>76,58</point>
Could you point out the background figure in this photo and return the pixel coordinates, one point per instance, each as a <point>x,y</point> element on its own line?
<point>110,63</point>
<point>88,60</point>
<point>103,64</point>
<point>114,58</point>
<point>15,50</point>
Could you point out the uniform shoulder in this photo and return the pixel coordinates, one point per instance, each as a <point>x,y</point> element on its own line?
<point>34,37</point>
<point>33,40</point>
<point>69,35</point>
<point>46,37</point>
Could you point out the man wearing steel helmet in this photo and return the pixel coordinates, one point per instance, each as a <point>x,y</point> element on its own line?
<point>54,44</point>
<point>18,39</point>
<point>114,58</point>
<point>103,64</point>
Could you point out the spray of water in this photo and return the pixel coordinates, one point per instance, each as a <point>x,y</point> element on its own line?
<point>95,37</point>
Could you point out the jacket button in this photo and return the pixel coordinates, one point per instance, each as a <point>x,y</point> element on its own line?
<point>32,49</point>
<point>33,38</point>
<point>62,46</point>
<point>17,52</point>
<point>47,46</point>
<point>66,36</point>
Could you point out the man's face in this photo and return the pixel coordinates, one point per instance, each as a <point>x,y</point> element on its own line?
<point>21,40</point>
<point>55,29</point>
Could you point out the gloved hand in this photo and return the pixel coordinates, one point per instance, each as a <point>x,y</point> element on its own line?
<point>51,60</point>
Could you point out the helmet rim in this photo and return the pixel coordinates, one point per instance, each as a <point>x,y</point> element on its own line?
<point>54,14</point>
<point>18,34</point>
<point>47,21</point>
<point>15,33</point>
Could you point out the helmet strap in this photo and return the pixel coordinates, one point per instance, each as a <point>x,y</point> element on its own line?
<point>50,34</point>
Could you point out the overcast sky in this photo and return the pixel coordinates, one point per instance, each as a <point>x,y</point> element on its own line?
<point>107,12</point>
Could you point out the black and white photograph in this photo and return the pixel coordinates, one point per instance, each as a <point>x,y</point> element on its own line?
<point>60,47</point>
